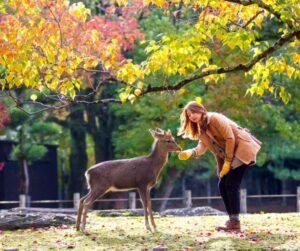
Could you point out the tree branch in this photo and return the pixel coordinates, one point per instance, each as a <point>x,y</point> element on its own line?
<point>264,6</point>
<point>249,21</point>
<point>244,67</point>
<point>240,67</point>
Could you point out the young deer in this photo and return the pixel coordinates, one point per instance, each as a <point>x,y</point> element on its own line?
<point>137,173</point>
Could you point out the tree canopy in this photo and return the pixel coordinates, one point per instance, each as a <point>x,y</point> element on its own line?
<point>53,47</point>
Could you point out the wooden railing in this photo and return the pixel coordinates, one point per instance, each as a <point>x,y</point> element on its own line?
<point>187,200</point>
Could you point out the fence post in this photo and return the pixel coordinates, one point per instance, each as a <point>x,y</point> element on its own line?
<point>76,199</point>
<point>298,199</point>
<point>22,200</point>
<point>243,201</point>
<point>188,198</point>
<point>132,200</point>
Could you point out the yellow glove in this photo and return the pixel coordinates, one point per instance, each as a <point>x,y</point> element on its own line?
<point>184,155</point>
<point>225,169</point>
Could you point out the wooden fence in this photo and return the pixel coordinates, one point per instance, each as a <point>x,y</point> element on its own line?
<point>187,200</point>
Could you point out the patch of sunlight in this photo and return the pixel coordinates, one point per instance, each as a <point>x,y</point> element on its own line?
<point>289,245</point>
<point>221,244</point>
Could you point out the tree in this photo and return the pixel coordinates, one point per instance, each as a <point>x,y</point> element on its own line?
<point>52,33</point>
<point>58,48</point>
<point>30,136</point>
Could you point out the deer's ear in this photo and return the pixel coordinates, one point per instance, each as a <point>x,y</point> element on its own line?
<point>159,130</point>
<point>152,133</point>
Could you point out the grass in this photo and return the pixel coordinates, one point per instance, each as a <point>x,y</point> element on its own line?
<point>260,232</point>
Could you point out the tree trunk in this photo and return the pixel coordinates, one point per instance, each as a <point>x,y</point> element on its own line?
<point>101,126</point>
<point>23,189</point>
<point>168,185</point>
<point>78,155</point>
<point>24,179</point>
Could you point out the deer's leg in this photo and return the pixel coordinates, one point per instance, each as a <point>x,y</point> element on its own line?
<point>149,203</point>
<point>143,196</point>
<point>79,213</point>
<point>88,202</point>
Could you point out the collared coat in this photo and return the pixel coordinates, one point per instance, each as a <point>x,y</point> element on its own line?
<point>226,134</point>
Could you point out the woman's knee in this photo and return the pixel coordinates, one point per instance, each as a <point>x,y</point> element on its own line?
<point>231,186</point>
<point>222,186</point>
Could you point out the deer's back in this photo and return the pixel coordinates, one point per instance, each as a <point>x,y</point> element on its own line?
<point>124,173</point>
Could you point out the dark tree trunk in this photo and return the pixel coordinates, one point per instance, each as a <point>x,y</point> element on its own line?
<point>167,186</point>
<point>24,172</point>
<point>24,177</point>
<point>101,126</point>
<point>78,155</point>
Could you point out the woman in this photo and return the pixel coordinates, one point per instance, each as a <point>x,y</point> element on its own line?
<point>234,147</point>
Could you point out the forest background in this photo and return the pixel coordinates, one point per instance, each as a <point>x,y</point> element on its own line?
<point>94,77</point>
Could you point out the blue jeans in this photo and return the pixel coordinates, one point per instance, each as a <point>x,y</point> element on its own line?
<point>229,187</point>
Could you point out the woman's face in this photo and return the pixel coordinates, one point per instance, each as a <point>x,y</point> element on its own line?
<point>195,117</point>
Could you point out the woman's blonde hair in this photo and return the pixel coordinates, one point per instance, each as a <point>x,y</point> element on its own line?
<point>189,129</point>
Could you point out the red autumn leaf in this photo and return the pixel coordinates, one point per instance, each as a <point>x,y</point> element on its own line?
<point>4,118</point>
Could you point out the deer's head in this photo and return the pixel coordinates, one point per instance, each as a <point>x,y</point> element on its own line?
<point>165,139</point>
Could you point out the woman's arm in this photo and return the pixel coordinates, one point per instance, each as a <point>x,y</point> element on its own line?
<point>221,123</point>
<point>199,149</point>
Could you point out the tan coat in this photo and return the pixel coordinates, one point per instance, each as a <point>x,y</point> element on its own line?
<point>226,134</point>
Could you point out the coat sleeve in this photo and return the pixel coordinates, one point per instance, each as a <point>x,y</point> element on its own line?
<point>220,163</point>
<point>222,125</point>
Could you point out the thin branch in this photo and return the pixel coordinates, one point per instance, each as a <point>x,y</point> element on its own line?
<point>249,21</point>
<point>59,27</point>
<point>264,6</point>
<point>91,70</point>
<point>97,89</point>
<point>99,101</point>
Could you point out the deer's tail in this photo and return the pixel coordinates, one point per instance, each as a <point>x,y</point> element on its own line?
<point>87,176</point>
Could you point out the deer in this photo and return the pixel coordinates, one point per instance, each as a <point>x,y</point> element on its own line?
<point>139,173</point>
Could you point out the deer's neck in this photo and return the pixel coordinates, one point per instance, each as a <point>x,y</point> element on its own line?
<point>159,157</point>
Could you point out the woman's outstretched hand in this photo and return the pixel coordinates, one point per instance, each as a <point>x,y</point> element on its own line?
<point>225,169</point>
<point>184,155</point>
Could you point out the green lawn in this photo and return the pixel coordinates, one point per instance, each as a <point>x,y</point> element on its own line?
<point>260,232</point>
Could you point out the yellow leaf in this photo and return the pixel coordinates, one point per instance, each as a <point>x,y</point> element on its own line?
<point>182,91</point>
<point>198,100</point>
<point>131,98</point>
<point>123,97</point>
<point>137,92</point>
<point>72,93</point>
<point>140,84</point>
<point>33,97</point>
